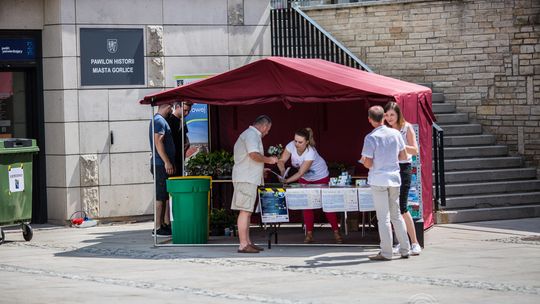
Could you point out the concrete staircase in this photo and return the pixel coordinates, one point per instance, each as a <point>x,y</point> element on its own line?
<point>483,182</point>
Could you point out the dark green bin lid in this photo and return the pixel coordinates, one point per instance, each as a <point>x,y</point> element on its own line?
<point>188,185</point>
<point>18,145</point>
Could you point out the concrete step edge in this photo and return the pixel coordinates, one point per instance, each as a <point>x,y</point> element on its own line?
<point>485,214</point>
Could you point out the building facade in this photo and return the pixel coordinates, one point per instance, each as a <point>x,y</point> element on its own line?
<point>83,107</point>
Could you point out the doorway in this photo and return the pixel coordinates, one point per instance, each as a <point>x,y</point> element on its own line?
<point>21,105</point>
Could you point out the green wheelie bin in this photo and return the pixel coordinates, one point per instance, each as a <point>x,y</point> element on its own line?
<point>16,184</point>
<point>190,201</point>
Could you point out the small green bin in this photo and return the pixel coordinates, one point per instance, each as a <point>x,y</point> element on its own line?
<point>190,200</point>
<point>16,180</point>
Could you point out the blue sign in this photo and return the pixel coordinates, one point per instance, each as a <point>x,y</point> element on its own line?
<point>197,121</point>
<point>17,49</point>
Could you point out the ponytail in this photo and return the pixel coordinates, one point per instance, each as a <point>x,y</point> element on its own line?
<point>307,133</point>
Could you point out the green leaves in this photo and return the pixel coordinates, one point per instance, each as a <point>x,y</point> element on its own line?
<point>217,163</point>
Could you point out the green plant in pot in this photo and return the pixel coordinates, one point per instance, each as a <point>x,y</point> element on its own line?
<point>215,164</point>
<point>221,219</point>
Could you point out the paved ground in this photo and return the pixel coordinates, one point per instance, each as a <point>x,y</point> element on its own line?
<point>485,262</point>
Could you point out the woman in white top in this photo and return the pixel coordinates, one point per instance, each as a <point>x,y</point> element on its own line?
<point>394,118</point>
<point>312,169</point>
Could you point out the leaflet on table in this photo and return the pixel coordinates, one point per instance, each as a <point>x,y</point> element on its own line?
<point>365,199</point>
<point>339,199</point>
<point>303,198</point>
<point>281,177</point>
<point>273,205</point>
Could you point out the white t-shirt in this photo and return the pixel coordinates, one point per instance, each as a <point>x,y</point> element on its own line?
<point>403,132</point>
<point>245,169</point>
<point>383,145</point>
<point>318,169</point>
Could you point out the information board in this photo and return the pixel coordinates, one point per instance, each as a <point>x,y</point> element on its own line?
<point>273,205</point>
<point>303,198</point>
<point>339,199</point>
<point>365,199</point>
<point>414,199</point>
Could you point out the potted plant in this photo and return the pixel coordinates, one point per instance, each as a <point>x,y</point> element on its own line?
<point>217,164</point>
<point>221,219</point>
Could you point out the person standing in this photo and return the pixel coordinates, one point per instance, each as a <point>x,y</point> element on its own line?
<point>394,119</point>
<point>247,175</point>
<point>312,169</point>
<point>383,148</point>
<point>178,130</point>
<point>164,165</point>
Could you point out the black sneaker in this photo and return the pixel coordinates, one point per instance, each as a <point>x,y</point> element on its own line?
<point>167,229</point>
<point>162,232</point>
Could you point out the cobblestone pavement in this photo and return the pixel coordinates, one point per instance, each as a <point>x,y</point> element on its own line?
<point>484,262</point>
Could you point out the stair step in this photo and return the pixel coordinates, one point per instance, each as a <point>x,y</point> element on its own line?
<point>452,118</point>
<point>492,187</point>
<point>476,151</point>
<point>469,140</point>
<point>487,214</point>
<point>439,108</point>
<point>482,163</point>
<point>492,200</point>
<point>429,85</point>
<point>460,177</point>
<point>437,97</point>
<point>464,129</point>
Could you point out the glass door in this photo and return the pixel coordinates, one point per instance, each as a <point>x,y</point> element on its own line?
<point>13,111</point>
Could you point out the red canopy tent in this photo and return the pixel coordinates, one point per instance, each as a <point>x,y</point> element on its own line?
<point>332,99</point>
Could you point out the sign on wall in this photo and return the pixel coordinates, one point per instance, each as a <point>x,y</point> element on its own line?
<point>112,56</point>
<point>17,49</point>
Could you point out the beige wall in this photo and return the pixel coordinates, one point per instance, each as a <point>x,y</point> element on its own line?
<point>484,55</point>
<point>84,170</point>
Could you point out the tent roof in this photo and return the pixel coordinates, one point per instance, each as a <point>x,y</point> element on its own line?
<point>280,79</point>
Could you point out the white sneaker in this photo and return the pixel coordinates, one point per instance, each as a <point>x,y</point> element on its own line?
<point>395,250</point>
<point>416,249</point>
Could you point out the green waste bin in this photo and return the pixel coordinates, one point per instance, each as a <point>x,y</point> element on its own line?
<point>190,200</point>
<point>16,184</point>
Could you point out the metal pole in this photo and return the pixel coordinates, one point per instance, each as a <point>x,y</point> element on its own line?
<point>182,135</point>
<point>154,175</point>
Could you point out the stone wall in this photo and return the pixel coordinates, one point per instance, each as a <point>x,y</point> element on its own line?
<point>484,55</point>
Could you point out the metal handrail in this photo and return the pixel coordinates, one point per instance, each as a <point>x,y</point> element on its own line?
<point>438,159</point>
<point>295,34</point>
<point>296,7</point>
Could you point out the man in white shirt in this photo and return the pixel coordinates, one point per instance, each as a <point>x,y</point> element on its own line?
<point>383,148</point>
<point>247,175</point>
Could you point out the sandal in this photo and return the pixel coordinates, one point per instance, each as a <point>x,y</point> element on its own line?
<point>337,237</point>
<point>309,237</point>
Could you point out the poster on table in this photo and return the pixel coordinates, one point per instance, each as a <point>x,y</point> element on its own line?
<point>339,199</point>
<point>273,205</point>
<point>365,199</point>
<point>303,198</point>
<point>197,121</point>
<point>414,199</point>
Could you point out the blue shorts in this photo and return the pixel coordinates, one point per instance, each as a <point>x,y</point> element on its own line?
<point>161,184</point>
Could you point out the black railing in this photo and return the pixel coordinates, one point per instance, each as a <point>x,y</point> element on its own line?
<point>295,34</point>
<point>307,3</point>
<point>438,163</point>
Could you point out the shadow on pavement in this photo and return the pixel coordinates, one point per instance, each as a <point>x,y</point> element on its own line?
<point>139,244</point>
